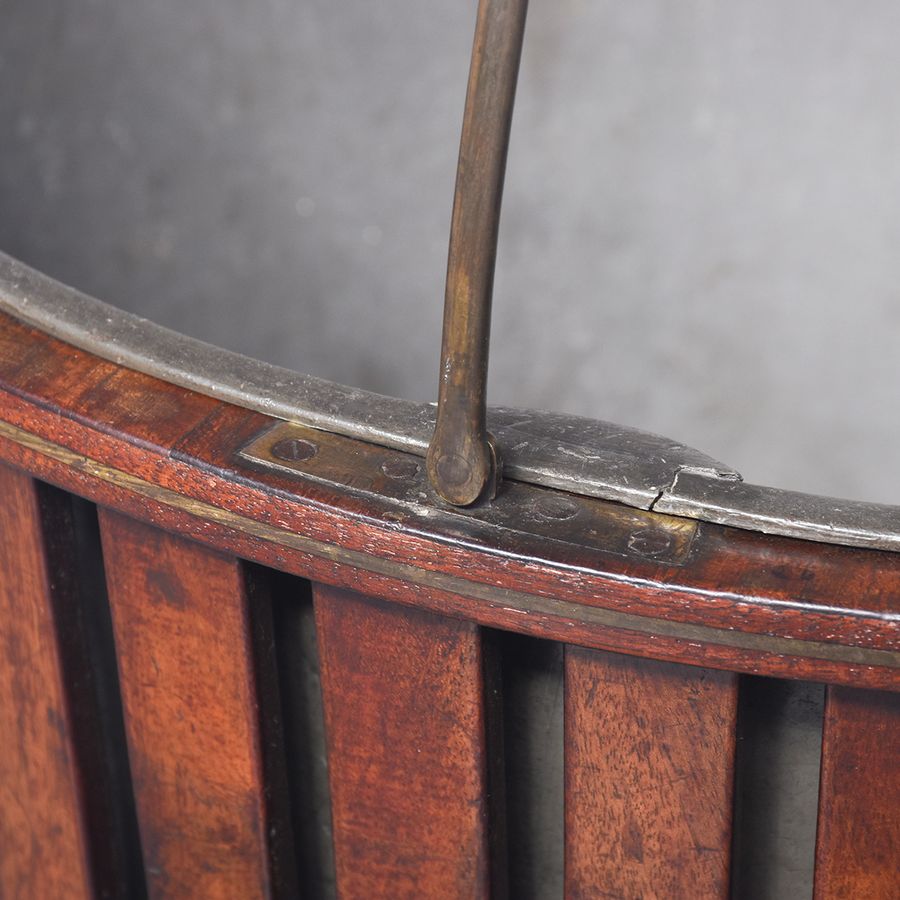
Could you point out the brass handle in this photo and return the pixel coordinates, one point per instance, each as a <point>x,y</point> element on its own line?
<point>462,462</point>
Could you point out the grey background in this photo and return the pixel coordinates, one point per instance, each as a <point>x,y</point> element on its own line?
<point>699,238</point>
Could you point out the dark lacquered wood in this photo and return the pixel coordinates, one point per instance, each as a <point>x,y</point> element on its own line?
<point>189,691</point>
<point>649,762</point>
<point>404,716</point>
<point>858,844</point>
<point>177,468</point>
<point>44,848</point>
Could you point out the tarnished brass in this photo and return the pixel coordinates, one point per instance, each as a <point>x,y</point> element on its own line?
<point>463,461</point>
<point>400,479</point>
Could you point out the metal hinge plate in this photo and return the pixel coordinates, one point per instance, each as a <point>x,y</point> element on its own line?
<point>398,479</point>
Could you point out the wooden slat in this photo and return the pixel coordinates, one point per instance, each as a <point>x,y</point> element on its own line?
<point>404,714</point>
<point>649,769</point>
<point>189,692</point>
<point>43,840</point>
<point>858,844</point>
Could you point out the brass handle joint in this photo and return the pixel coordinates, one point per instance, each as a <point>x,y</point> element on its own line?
<point>463,463</point>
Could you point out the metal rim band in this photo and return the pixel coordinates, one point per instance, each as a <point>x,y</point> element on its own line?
<point>578,455</point>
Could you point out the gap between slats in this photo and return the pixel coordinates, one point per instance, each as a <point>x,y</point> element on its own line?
<point>776,788</point>
<point>304,733</point>
<point>532,713</point>
<point>69,776</point>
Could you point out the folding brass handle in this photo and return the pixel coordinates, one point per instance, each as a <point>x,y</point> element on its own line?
<point>463,462</point>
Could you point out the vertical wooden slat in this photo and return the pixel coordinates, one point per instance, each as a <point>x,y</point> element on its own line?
<point>43,840</point>
<point>858,843</point>
<point>649,761</point>
<point>405,724</point>
<point>185,648</point>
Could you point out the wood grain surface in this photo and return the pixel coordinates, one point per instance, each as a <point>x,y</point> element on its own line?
<point>189,691</point>
<point>404,715</point>
<point>858,844</point>
<point>43,836</point>
<point>649,742</point>
<point>649,762</point>
<point>741,601</point>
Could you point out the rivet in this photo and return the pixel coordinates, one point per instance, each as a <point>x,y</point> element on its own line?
<point>453,469</point>
<point>557,508</point>
<point>294,450</point>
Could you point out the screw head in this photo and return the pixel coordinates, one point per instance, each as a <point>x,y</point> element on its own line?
<point>294,450</point>
<point>558,508</point>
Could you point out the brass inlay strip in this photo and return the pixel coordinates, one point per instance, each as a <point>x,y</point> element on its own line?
<point>498,597</point>
<point>399,480</point>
